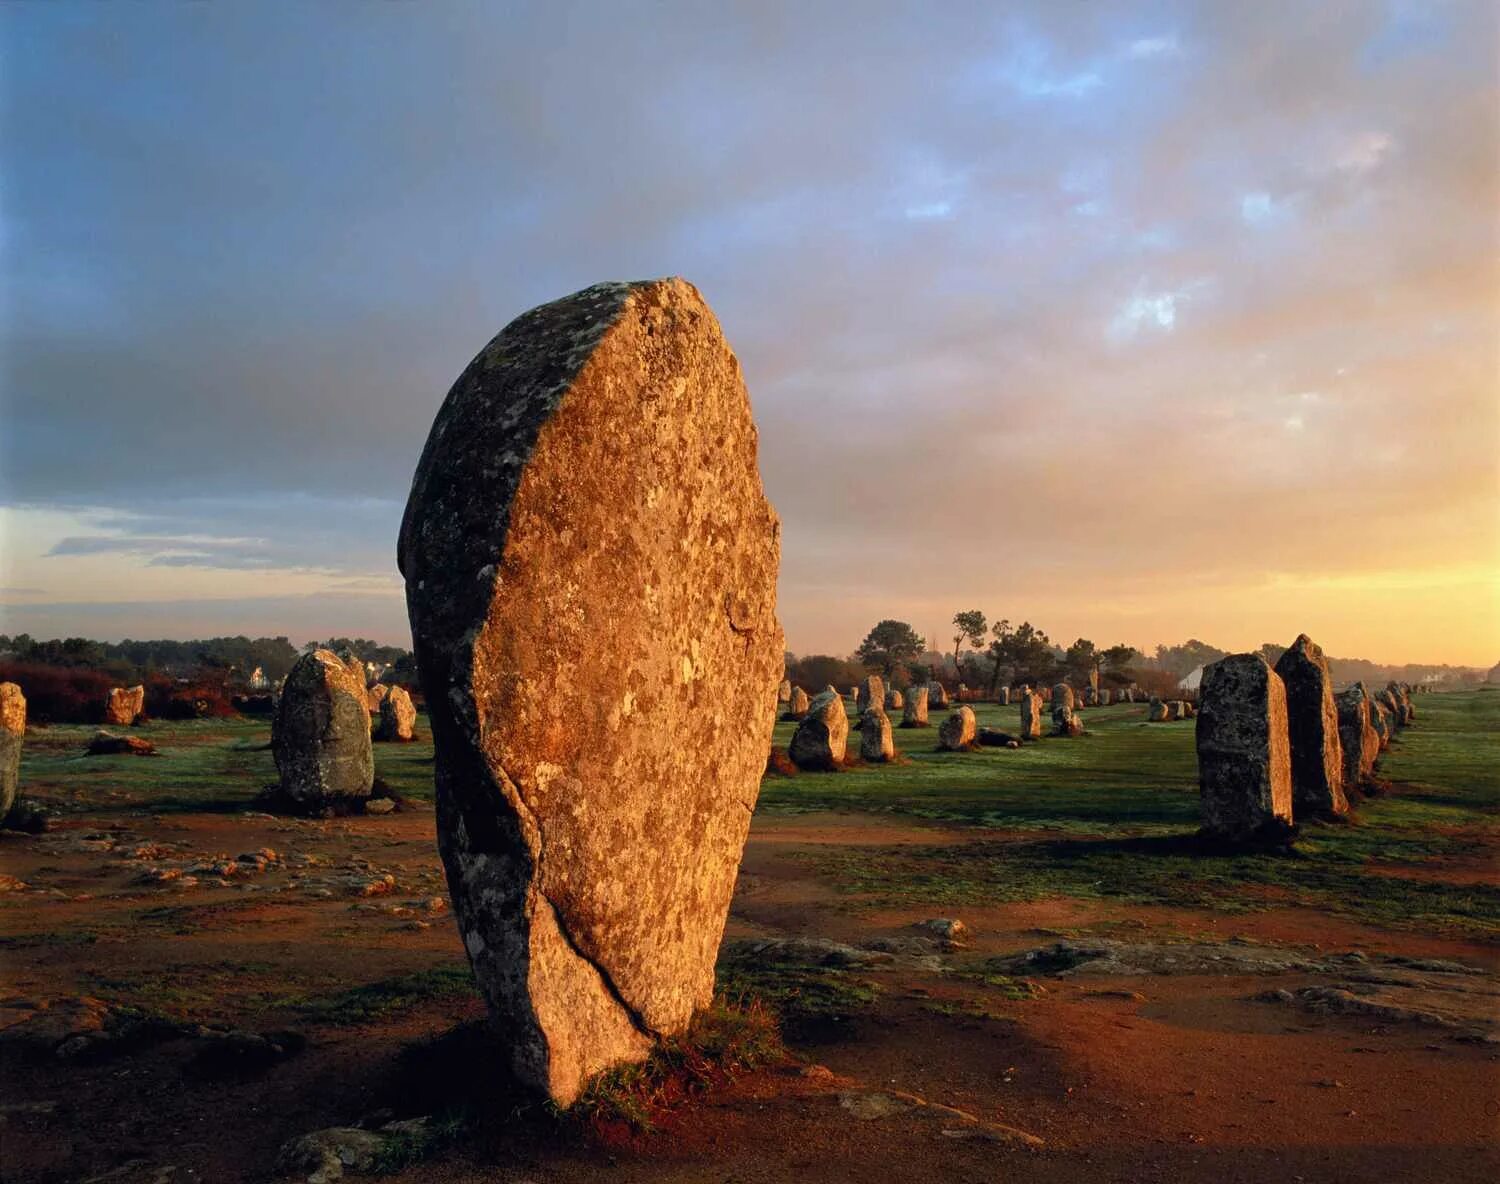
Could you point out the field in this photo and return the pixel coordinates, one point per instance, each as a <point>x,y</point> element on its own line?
<point>1128,1005</point>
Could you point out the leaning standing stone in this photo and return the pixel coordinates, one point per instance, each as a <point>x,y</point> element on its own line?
<point>959,729</point>
<point>375,696</point>
<point>1313,722</point>
<point>397,715</point>
<point>876,744</point>
<point>914,714</point>
<point>1244,757</point>
<point>590,567</point>
<point>321,734</point>
<point>1031,714</point>
<point>12,736</point>
<point>1358,739</point>
<point>822,738</point>
<point>123,704</point>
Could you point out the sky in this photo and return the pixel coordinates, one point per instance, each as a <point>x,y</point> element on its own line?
<point>1137,321</point>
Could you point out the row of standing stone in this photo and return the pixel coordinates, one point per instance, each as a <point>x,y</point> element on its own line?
<point>1275,744</point>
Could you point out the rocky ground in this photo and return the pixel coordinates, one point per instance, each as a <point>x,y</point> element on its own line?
<point>195,989</point>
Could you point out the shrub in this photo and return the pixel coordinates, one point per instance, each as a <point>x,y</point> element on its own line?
<point>59,694</point>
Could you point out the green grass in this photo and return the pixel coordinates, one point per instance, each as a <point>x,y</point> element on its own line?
<point>1111,817</point>
<point>797,992</point>
<point>385,997</point>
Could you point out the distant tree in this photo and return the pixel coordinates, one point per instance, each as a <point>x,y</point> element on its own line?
<point>971,627</point>
<point>813,672</point>
<point>1029,652</point>
<point>998,655</point>
<point>1271,652</point>
<point>889,644</point>
<point>1183,659</point>
<point>1119,658</point>
<point>1081,659</point>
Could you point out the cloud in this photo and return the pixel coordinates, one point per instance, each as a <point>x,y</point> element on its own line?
<point>1154,47</point>
<point>1364,152</point>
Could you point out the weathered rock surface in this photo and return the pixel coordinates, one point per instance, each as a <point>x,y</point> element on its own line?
<point>123,704</point>
<point>591,566</point>
<point>397,716</point>
<point>375,696</point>
<point>321,735</point>
<point>1062,696</point>
<point>1402,695</point>
<point>914,714</point>
<point>1244,756</point>
<point>937,696</point>
<point>1157,712</point>
<point>797,705</point>
<point>959,730</point>
<point>1380,721</point>
<point>784,691</point>
<point>1358,741</point>
<point>821,739</point>
<point>894,700</point>
<point>12,737</point>
<point>1031,715</point>
<point>1313,724</point>
<point>106,743</point>
<point>876,743</point>
<point>1065,720</point>
<point>870,693</point>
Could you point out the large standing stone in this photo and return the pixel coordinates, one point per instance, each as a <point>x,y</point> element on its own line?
<point>397,715</point>
<point>822,738</point>
<point>937,696</point>
<point>321,734</point>
<point>1244,755</point>
<point>1031,714</point>
<point>123,704</point>
<point>797,707</point>
<point>1358,739</point>
<point>870,693</point>
<point>894,700</point>
<point>959,729</point>
<point>876,743</point>
<point>1392,706</point>
<point>1313,721</point>
<point>590,567</point>
<point>12,736</point>
<point>914,714</point>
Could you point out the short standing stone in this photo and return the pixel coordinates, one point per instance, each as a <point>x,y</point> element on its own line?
<point>1065,720</point>
<point>937,696</point>
<point>870,693</point>
<point>1004,696</point>
<point>875,741</point>
<point>397,715</point>
<point>784,691</point>
<point>1103,696</point>
<point>1031,714</point>
<point>797,706</point>
<point>590,567</point>
<point>822,738</point>
<point>1090,697</point>
<point>894,700</point>
<point>12,736</point>
<point>1244,755</point>
<point>123,704</point>
<point>1176,709</point>
<point>959,729</point>
<point>1157,712</point>
<point>1313,720</point>
<point>321,734</point>
<point>914,714</point>
<point>1358,739</point>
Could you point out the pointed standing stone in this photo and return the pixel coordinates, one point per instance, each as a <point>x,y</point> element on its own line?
<point>914,714</point>
<point>321,734</point>
<point>590,567</point>
<point>1313,722</point>
<point>1244,755</point>
<point>822,738</point>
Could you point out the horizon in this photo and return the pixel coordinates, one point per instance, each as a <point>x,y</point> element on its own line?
<point>1163,322</point>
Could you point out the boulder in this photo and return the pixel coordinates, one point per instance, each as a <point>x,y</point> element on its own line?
<point>937,696</point>
<point>1157,712</point>
<point>958,731</point>
<point>12,736</point>
<point>1065,720</point>
<point>590,565</point>
<point>784,691</point>
<point>876,744</point>
<point>1031,714</point>
<point>321,734</point>
<point>1313,723</point>
<point>894,700</point>
<point>1358,740</point>
<point>821,739</point>
<point>797,704</point>
<point>397,715</point>
<point>123,704</point>
<point>1244,754</point>
<point>914,714</point>
<point>995,738</point>
<point>870,693</point>
<point>108,744</point>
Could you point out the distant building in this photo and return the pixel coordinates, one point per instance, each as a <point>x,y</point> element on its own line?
<point>1190,681</point>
